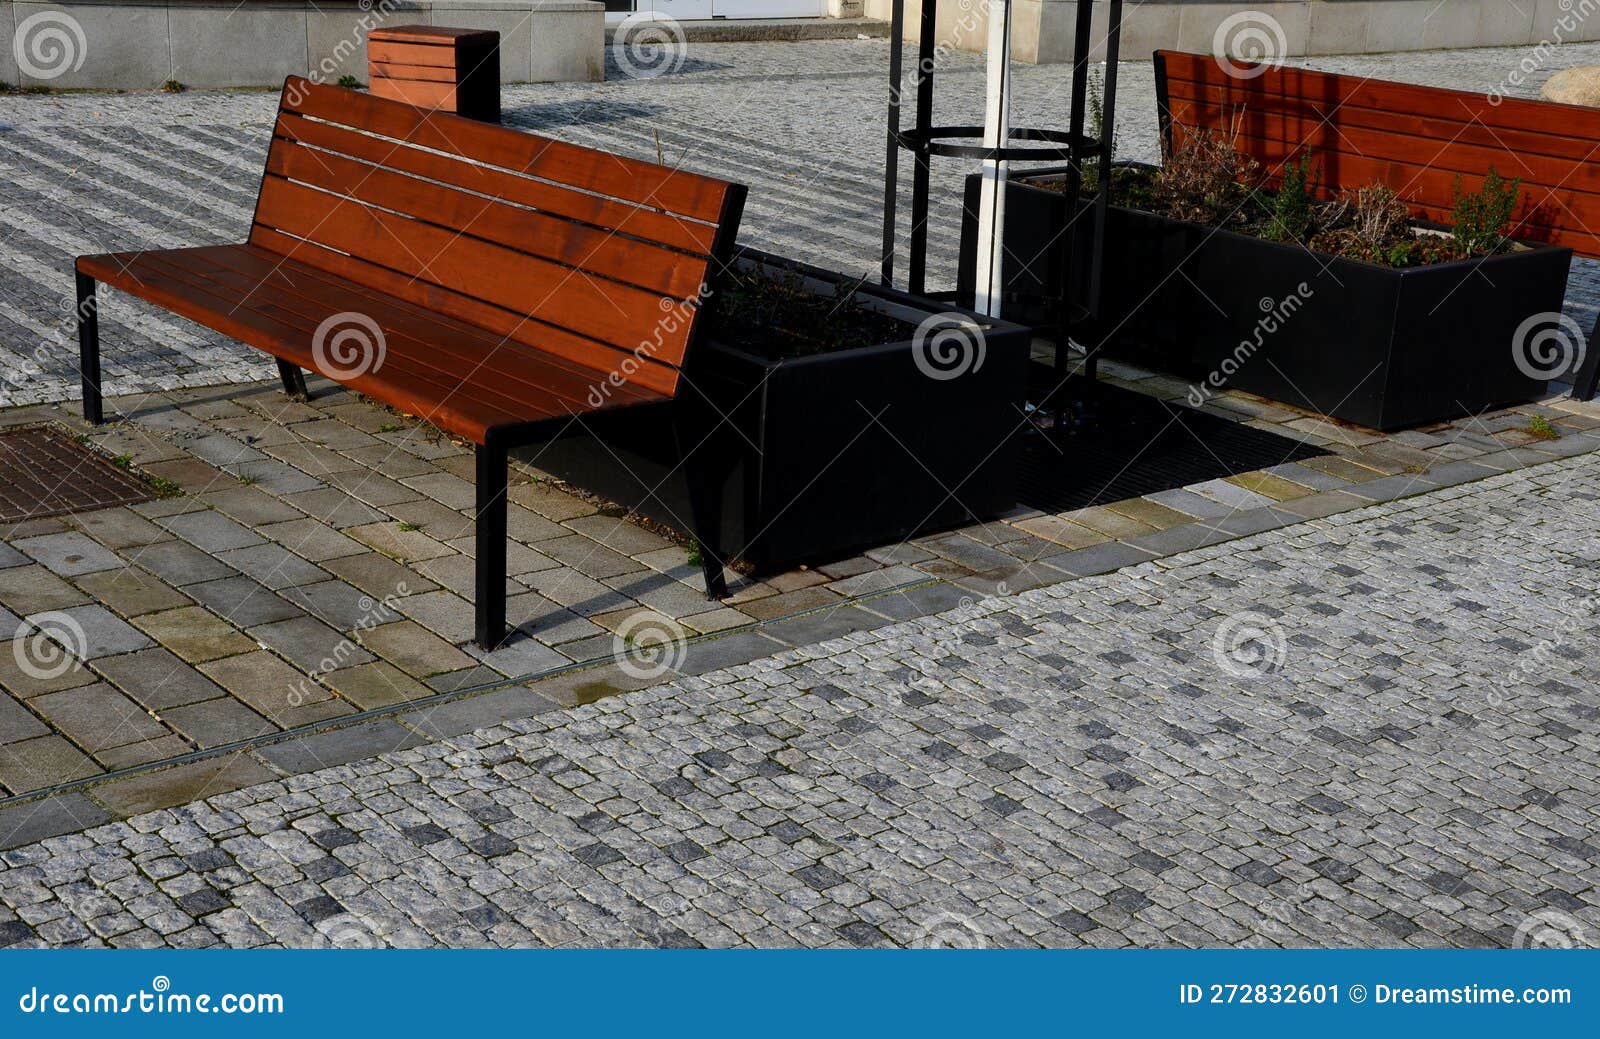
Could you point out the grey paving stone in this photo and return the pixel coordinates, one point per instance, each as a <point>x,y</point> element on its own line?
<point>70,554</point>
<point>91,631</point>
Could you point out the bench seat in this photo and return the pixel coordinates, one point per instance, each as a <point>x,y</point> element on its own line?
<point>499,285</point>
<point>464,379</point>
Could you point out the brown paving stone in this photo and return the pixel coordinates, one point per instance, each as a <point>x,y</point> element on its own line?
<point>97,717</point>
<point>194,633</point>
<point>802,578</point>
<point>1343,468</point>
<point>15,681</point>
<point>1105,521</point>
<point>251,506</point>
<point>42,762</point>
<point>716,620</point>
<point>119,528</point>
<point>549,501</point>
<point>189,473</point>
<point>131,591</point>
<point>181,784</point>
<point>378,575</point>
<point>405,545</point>
<point>157,679</point>
<point>32,589</point>
<point>785,603</point>
<point>414,649</point>
<point>161,748</point>
<point>213,723</point>
<point>312,713</point>
<point>435,520</point>
<point>1150,513</point>
<point>1062,532</point>
<point>266,683</point>
<point>377,684</point>
<point>17,723</point>
<point>1274,487</point>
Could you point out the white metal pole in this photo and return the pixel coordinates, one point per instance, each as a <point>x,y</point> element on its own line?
<point>996,134</point>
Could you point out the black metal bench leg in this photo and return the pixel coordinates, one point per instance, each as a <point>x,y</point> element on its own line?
<point>89,350</point>
<point>491,583</point>
<point>703,471</point>
<point>1586,379</point>
<point>294,380</point>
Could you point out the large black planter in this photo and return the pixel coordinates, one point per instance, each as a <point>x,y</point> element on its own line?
<point>1369,345</point>
<point>833,452</point>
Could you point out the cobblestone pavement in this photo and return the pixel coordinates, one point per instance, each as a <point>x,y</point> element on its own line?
<point>801,123</point>
<point>1378,728</point>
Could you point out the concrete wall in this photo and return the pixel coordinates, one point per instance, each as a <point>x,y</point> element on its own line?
<point>1042,30</point>
<point>141,44</point>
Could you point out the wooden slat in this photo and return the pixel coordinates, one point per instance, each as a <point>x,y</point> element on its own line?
<point>431,96</point>
<point>650,267</point>
<point>644,183</point>
<point>618,314</point>
<point>439,54</point>
<point>501,321</point>
<point>1414,139</point>
<point>455,358</point>
<point>428,73</point>
<point>595,210</point>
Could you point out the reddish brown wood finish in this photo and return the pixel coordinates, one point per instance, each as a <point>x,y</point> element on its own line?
<point>1418,140</point>
<point>437,68</point>
<point>510,275</point>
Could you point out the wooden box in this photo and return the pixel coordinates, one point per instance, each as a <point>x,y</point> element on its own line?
<point>437,67</point>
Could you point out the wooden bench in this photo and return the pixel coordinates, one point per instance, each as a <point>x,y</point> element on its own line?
<point>437,67</point>
<point>496,284</point>
<point>1418,140</point>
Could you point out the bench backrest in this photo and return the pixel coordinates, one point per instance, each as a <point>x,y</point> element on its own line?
<point>1415,139</point>
<point>576,252</point>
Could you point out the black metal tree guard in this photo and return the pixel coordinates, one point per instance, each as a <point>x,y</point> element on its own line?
<point>924,140</point>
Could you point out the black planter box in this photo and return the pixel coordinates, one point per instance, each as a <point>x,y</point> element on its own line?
<point>833,452</point>
<point>1369,345</point>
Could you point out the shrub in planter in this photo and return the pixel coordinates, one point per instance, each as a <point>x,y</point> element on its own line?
<point>1349,308</point>
<point>848,415</point>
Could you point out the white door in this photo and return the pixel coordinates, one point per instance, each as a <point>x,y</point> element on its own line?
<point>682,10</point>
